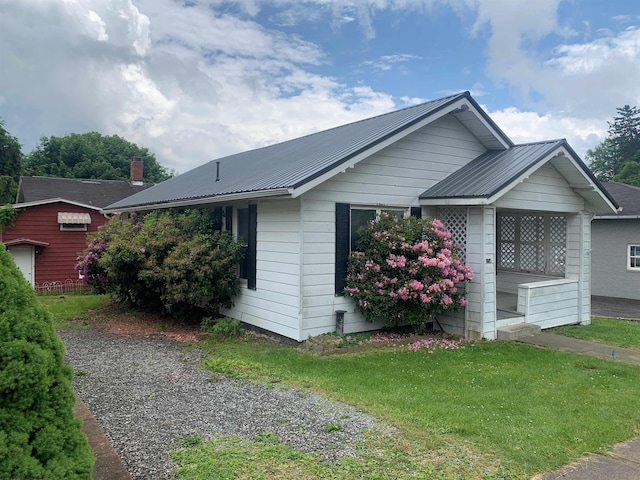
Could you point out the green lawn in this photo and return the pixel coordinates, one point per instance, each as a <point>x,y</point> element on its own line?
<point>488,410</point>
<point>69,307</point>
<point>502,409</point>
<point>621,333</point>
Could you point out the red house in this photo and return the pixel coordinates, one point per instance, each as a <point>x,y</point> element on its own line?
<point>54,217</point>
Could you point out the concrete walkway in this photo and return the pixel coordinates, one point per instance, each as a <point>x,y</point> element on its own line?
<point>108,465</point>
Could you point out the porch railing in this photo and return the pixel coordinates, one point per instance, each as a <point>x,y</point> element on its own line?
<point>550,303</point>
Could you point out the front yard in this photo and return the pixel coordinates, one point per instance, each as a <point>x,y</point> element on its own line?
<point>485,410</point>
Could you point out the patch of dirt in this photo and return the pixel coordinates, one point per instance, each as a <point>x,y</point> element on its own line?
<point>121,320</point>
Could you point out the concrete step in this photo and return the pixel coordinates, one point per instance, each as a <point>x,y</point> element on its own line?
<point>513,332</point>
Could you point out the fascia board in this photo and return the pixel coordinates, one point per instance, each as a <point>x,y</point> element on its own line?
<point>456,201</point>
<point>281,192</point>
<point>53,200</point>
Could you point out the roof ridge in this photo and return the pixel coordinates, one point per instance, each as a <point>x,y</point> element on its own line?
<point>447,98</point>
<point>540,142</point>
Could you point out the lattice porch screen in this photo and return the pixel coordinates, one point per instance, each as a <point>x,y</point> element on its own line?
<point>455,220</point>
<point>532,242</point>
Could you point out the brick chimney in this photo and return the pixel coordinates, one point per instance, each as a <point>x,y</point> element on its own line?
<point>137,170</point>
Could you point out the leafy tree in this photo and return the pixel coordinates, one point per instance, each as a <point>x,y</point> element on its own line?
<point>10,153</point>
<point>630,173</point>
<point>39,435</point>
<point>405,271</point>
<point>622,146</point>
<point>90,155</point>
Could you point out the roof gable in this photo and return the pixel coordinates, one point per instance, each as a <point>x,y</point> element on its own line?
<point>93,193</point>
<point>292,167</point>
<point>493,174</point>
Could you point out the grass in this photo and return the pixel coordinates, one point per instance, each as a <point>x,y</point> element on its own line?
<point>488,410</point>
<point>515,410</point>
<point>621,333</point>
<point>69,308</point>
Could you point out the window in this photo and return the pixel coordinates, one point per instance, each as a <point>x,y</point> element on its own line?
<point>634,257</point>
<point>243,236</point>
<point>348,220</point>
<point>73,221</point>
<point>532,243</point>
<point>80,227</point>
<point>362,216</point>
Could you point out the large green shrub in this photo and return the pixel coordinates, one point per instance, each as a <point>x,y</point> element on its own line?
<point>39,435</point>
<point>178,262</point>
<point>406,271</point>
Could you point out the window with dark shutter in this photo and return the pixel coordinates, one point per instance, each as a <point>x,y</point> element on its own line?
<point>228,219</point>
<point>416,212</point>
<point>343,242</point>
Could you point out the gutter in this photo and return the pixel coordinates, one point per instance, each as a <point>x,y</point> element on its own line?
<point>280,192</point>
<point>616,217</point>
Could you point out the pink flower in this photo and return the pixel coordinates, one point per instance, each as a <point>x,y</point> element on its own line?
<point>143,250</point>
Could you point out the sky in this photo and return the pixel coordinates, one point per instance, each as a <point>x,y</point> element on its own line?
<point>197,80</point>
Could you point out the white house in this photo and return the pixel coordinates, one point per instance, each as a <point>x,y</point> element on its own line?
<point>522,213</point>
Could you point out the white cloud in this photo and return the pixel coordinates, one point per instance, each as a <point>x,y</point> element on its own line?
<point>525,127</point>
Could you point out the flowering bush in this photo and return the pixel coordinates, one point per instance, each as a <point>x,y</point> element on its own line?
<point>170,261</point>
<point>406,270</point>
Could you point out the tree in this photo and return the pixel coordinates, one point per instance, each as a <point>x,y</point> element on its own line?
<point>90,155</point>
<point>39,434</point>
<point>630,174</point>
<point>10,153</point>
<point>622,146</point>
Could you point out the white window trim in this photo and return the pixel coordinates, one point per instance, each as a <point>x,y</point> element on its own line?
<point>636,256</point>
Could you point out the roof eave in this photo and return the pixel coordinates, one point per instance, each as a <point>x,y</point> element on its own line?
<point>280,192</point>
<point>455,201</point>
<point>53,200</point>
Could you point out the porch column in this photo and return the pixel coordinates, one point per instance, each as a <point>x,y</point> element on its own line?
<point>578,261</point>
<point>480,317</point>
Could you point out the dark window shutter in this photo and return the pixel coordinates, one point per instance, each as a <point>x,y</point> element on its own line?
<point>416,212</point>
<point>343,220</point>
<point>252,247</point>
<point>228,219</point>
<point>217,215</point>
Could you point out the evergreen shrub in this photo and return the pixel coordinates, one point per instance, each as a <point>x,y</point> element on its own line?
<point>39,436</point>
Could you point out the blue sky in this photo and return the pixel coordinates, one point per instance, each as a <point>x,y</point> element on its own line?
<point>195,80</point>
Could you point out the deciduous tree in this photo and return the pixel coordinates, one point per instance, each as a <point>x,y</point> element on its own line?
<point>90,155</point>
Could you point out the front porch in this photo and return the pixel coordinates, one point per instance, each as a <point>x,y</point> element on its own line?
<point>545,304</point>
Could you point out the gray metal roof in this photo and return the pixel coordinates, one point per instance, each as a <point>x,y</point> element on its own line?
<point>293,163</point>
<point>490,172</point>
<point>493,171</point>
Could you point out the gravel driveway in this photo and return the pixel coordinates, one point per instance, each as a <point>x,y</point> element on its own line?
<point>147,393</point>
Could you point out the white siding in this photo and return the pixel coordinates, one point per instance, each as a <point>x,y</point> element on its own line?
<point>275,303</point>
<point>545,190</point>
<point>550,304</point>
<point>395,176</point>
<point>578,261</point>
<point>481,291</point>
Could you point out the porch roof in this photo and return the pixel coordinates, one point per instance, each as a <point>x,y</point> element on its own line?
<point>494,173</point>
